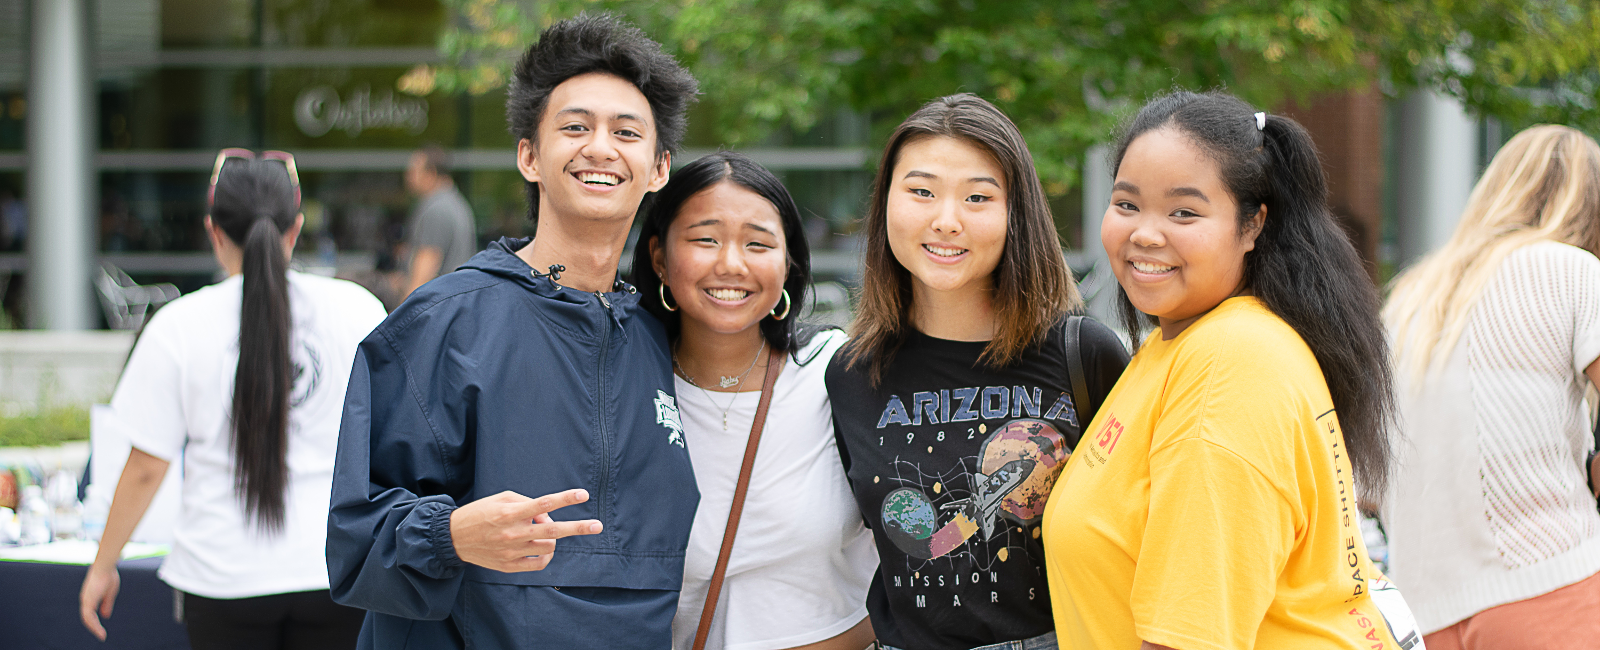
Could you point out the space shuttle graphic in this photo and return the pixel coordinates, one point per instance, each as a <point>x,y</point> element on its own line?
<point>988,492</point>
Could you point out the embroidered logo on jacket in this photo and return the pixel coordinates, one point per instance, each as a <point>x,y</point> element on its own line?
<point>667,416</point>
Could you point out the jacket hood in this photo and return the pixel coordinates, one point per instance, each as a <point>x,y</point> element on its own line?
<point>500,259</point>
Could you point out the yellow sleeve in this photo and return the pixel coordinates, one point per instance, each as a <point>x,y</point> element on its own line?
<point>1216,538</point>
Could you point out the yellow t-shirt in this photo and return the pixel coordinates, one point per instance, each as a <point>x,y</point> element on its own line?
<point>1209,504</point>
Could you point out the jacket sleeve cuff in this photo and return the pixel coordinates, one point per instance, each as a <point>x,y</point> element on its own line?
<point>439,541</point>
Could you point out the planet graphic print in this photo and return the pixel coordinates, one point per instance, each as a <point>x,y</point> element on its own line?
<point>909,520</point>
<point>1026,440</point>
<point>1017,467</point>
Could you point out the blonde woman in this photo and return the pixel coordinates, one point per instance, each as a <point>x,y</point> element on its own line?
<point>1491,517</point>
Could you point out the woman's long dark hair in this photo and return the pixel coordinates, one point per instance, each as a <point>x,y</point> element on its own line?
<point>1303,268</point>
<point>254,205</point>
<point>728,167</point>
<point>1032,285</point>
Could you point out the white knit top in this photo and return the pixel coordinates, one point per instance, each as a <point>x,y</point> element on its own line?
<point>1489,504</point>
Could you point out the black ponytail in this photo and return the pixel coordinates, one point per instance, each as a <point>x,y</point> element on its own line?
<point>1303,268</point>
<point>254,205</point>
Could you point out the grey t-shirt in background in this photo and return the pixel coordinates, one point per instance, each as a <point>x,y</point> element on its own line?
<point>442,220</point>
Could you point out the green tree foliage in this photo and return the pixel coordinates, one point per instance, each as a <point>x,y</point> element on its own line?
<point>1067,70</point>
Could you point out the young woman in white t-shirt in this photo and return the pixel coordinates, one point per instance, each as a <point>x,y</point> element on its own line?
<point>723,257</point>
<point>244,382</point>
<point>1491,517</point>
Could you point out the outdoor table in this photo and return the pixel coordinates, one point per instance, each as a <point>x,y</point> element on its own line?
<point>39,608</point>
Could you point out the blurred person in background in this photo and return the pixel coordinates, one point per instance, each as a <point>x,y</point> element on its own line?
<point>724,265</point>
<point>439,235</point>
<point>245,381</point>
<point>1491,517</point>
<point>1212,503</point>
<point>524,403</point>
<point>13,221</point>
<point>965,383</point>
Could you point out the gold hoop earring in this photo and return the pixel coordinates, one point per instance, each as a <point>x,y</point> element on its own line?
<point>786,305</point>
<point>661,290</point>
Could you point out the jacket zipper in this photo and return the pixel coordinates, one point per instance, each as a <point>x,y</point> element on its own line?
<point>600,414</point>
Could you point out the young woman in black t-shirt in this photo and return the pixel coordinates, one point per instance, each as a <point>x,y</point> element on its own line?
<point>955,402</point>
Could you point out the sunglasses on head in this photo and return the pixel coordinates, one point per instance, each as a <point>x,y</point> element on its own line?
<point>245,154</point>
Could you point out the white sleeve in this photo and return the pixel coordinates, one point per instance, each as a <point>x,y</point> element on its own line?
<point>365,310</point>
<point>1585,301</point>
<point>149,396</point>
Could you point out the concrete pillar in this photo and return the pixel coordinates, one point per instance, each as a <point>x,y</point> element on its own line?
<point>1438,155</point>
<point>1100,286</point>
<point>62,193</point>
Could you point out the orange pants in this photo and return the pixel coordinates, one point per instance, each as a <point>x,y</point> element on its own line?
<point>1565,619</point>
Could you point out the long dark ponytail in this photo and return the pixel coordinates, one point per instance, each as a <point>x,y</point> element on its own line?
<point>254,205</point>
<point>1303,268</point>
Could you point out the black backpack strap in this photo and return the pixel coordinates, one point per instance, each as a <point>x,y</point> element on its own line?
<point>1080,385</point>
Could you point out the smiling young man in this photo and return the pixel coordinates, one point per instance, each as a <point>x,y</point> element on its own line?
<point>528,382</point>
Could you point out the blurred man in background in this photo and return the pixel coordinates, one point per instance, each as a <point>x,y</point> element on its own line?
<point>439,234</point>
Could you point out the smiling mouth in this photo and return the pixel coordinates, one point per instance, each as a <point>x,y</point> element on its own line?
<point>1153,269</point>
<point>730,295</point>
<point>942,251</point>
<point>599,178</point>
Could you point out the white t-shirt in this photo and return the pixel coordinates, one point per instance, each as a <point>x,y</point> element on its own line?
<point>803,559</point>
<point>1489,503</point>
<point>175,397</point>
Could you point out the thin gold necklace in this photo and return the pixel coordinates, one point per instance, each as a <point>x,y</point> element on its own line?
<point>724,383</point>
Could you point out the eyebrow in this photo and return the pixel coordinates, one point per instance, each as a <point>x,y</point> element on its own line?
<point>1187,191</point>
<point>1125,186</point>
<point>588,113</point>
<point>975,179</point>
<point>713,222</point>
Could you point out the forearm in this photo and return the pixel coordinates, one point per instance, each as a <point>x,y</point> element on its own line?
<point>141,478</point>
<point>424,267</point>
<point>1594,470</point>
<point>1593,373</point>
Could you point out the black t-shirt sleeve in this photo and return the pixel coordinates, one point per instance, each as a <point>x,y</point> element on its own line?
<point>831,379</point>
<point>1103,357</point>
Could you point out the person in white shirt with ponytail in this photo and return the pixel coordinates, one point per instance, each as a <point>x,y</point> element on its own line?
<point>243,382</point>
<point>1493,530</point>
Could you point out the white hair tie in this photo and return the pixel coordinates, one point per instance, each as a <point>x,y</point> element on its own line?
<point>1261,121</point>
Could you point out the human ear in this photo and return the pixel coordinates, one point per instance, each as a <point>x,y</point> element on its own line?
<point>214,233</point>
<point>659,173</point>
<point>292,235</point>
<point>658,258</point>
<point>1253,228</point>
<point>528,160</point>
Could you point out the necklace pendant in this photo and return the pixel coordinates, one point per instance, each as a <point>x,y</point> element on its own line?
<point>728,382</point>
<point>724,421</point>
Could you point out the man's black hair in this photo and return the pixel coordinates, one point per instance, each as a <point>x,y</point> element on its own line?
<point>597,43</point>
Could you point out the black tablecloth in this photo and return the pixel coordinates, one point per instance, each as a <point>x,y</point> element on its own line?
<point>39,609</point>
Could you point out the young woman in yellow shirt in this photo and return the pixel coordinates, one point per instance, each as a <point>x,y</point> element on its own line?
<point>1212,502</point>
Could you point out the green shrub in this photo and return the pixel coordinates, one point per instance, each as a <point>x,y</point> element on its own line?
<point>48,426</point>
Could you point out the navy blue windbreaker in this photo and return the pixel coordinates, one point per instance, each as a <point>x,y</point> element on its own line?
<point>489,379</point>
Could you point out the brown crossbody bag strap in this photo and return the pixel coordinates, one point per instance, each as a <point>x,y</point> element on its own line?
<point>774,364</point>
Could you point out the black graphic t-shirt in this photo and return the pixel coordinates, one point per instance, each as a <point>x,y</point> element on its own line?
<point>951,462</point>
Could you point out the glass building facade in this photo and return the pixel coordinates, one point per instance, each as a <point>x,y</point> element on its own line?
<point>176,80</point>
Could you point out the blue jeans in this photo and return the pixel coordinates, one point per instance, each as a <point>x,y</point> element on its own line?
<point>1046,641</point>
